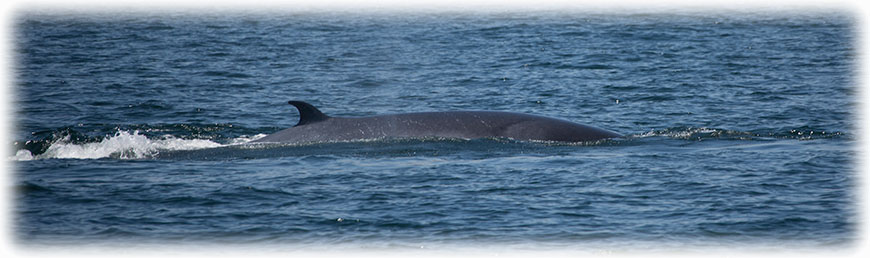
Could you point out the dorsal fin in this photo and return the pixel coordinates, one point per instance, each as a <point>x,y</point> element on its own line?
<point>308,113</point>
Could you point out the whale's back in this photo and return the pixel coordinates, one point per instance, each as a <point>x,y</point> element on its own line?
<point>449,124</point>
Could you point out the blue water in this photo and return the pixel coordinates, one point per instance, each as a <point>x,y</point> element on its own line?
<point>738,129</point>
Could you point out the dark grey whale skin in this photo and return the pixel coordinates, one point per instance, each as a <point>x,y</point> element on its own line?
<point>314,126</point>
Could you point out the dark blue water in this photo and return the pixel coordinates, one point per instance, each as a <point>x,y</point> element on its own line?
<point>739,133</point>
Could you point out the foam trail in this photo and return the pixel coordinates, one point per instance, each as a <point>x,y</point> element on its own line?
<point>123,145</point>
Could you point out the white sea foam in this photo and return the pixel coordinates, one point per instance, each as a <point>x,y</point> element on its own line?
<point>22,155</point>
<point>245,139</point>
<point>123,145</point>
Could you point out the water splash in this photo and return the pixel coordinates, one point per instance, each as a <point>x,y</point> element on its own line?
<point>122,145</point>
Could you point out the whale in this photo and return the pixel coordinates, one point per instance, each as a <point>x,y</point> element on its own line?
<point>315,126</point>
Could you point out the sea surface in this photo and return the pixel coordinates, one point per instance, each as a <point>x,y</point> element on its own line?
<point>132,129</point>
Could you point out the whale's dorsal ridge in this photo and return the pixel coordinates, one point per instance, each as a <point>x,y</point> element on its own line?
<point>307,113</point>
<point>314,126</point>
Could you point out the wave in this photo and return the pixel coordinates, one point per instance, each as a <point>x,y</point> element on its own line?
<point>122,145</point>
<point>705,133</point>
<point>692,133</point>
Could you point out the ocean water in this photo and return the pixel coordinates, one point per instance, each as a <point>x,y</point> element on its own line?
<point>739,133</point>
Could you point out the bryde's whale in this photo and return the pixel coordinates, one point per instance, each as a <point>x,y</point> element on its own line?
<point>314,126</point>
